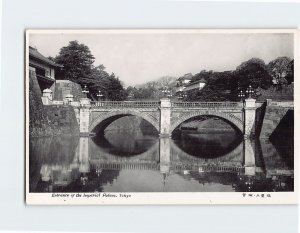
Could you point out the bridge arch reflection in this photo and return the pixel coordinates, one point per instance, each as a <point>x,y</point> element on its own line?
<point>167,157</point>
<point>82,170</point>
<point>164,155</point>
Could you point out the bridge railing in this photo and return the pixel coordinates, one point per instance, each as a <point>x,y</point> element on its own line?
<point>207,104</point>
<point>155,104</point>
<point>285,104</point>
<point>125,104</point>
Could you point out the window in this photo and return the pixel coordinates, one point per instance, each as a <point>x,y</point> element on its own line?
<point>47,73</point>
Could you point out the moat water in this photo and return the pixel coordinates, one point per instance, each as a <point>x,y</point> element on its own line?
<point>132,161</point>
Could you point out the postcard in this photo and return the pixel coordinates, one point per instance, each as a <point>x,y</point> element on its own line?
<point>161,116</point>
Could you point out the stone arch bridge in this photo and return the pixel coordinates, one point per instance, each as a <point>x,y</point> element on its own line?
<point>164,115</point>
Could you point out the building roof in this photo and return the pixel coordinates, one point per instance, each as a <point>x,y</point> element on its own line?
<point>34,53</point>
<point>202,80</point>
<point>187,76</point>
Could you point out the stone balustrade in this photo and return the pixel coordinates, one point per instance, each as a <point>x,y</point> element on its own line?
<point>154,104</point>
<point>125,104</point>
<point>207,105</point>
<point>284,104</point>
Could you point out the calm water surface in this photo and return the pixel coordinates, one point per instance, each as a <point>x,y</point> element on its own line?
<point>130,161</point>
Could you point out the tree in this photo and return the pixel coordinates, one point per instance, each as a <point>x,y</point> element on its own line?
<point>202,75</point>
<point>217,88</point>
<point>114,88</point>
<point>252,72</point>
<point>109,85</point>
<point>224,86</point>
<point>51,58</point>
<point>278,69</point>
<point>153,90</point>
<point>290,72</point>
<point>77,61</point>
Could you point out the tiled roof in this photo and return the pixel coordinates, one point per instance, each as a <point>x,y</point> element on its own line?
<point>202,80</point>
<point>188,76</point>
<point>36,54</point>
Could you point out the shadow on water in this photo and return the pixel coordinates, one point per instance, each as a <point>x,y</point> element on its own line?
<point>207,145</point>
<point>125,143</point>
<point>283,138</point>
<point>47,153</point>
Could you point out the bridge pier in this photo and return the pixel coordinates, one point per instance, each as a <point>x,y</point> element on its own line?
<point>249,116</point>
<point>83,155</point>
<point>164,157</point>
<point>249,158</point>
<point>84,116</point>
<point>164,154</point>
<point>165,118</point>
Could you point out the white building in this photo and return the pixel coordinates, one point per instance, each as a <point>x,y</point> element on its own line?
<point>184,83</point>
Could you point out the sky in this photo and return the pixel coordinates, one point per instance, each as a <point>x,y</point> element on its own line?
<point>139,57</point>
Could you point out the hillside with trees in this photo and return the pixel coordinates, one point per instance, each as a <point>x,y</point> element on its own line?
<point>152,90</point>
<point>273,80</point>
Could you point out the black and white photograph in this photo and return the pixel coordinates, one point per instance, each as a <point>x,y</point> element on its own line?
<point>164,116</point>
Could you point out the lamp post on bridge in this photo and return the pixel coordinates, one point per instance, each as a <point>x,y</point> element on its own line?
<point>249,113</point>
<point>241,95</point>
<point>182,96</point>
<point>166,92</point>
<point>131,95</point>
<point>99,95</point>
<point>84,113</point>
<point>165,113</point>
<point>85,90</point>
<point>250,91</point>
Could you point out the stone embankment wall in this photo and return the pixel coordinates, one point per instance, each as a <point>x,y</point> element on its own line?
<point>277,120</point>
<point>65,87</point>
<point>48,120</point>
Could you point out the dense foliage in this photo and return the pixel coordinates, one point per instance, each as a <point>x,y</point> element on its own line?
<point>278,69</point>
<point>223,86</point>
<point>218,87</point>
<point>77,61</point>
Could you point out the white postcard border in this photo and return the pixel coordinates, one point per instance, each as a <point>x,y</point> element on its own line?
<point>170,198</point>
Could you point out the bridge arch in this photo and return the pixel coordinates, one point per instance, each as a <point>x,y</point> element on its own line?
<point>106,118</point>
<point>227,117</point>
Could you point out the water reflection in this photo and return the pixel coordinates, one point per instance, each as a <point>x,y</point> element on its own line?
<point>121,143</point>
<point>207,145</point>
<point>150,164</point>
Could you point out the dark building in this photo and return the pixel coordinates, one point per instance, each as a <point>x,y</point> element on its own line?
<point>43,67</point>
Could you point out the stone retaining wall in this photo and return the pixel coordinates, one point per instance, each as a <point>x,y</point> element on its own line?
<point>48,120</point>
<point>273,116</point>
